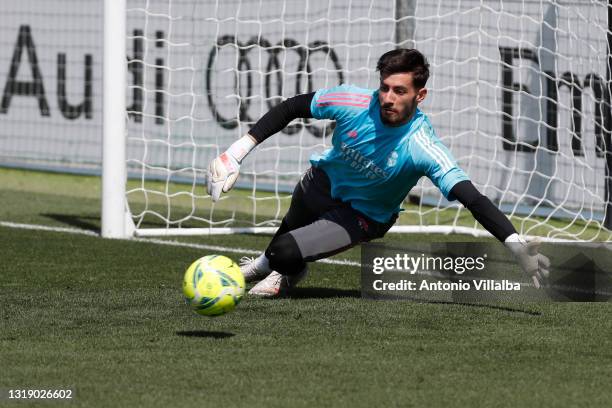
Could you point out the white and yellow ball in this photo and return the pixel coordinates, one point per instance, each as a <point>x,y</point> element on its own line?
<point>213,285</point>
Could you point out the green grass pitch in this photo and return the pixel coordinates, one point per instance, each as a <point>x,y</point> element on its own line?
<point>107,319</point>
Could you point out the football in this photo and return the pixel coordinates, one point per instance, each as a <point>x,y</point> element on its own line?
<point>213,285</point>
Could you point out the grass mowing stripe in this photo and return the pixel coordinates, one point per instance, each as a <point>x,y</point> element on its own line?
<point>343,262</point>
<point>107,317</point>
<point>247,251</point>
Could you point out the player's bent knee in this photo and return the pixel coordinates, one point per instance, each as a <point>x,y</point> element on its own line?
<point>285,256</point>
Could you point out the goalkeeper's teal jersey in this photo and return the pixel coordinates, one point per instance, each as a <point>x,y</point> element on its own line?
<point>373,166</point>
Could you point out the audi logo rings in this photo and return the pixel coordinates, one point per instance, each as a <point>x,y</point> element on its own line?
<point>272,69</point>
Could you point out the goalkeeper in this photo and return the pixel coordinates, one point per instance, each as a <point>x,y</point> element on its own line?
<point>381,146</point>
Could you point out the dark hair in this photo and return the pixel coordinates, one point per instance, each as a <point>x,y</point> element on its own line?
<point>405,60</point>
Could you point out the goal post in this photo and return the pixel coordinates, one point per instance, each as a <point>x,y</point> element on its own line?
<point>608,134</point>
<point>115,216</point>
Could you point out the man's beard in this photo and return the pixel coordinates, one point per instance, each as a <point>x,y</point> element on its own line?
<point>403,119</point>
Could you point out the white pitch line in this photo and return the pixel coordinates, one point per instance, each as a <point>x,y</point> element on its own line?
<point>245,251</point>
<point>46,228</point>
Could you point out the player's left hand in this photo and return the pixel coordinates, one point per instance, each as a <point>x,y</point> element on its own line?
<point>533,263</point>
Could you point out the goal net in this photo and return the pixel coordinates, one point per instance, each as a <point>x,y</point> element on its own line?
<point>519,92</point>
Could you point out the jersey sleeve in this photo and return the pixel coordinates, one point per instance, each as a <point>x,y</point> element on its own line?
<point>339,102</point>
<point>434,159</point>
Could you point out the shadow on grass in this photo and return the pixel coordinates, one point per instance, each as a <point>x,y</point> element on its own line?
<point>92,222</point>
<point>482,306</point>
<point>204,333</point>
<point>323,293</point>
<point>77,221</point>
<point>326,293</point>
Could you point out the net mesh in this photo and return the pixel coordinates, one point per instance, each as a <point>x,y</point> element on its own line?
<point>517,93</point>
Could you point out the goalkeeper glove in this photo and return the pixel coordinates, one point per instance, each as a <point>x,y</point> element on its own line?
<point>223,170</point>
<point>530,260</point>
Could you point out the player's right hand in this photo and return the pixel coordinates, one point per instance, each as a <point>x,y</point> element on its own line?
<point>222,174</point>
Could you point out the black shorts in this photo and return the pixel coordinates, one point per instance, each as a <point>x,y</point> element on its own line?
<point>312,201</point>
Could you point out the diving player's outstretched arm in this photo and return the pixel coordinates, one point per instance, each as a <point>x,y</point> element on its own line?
<point>223,170</point>
<point>493,220</point>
